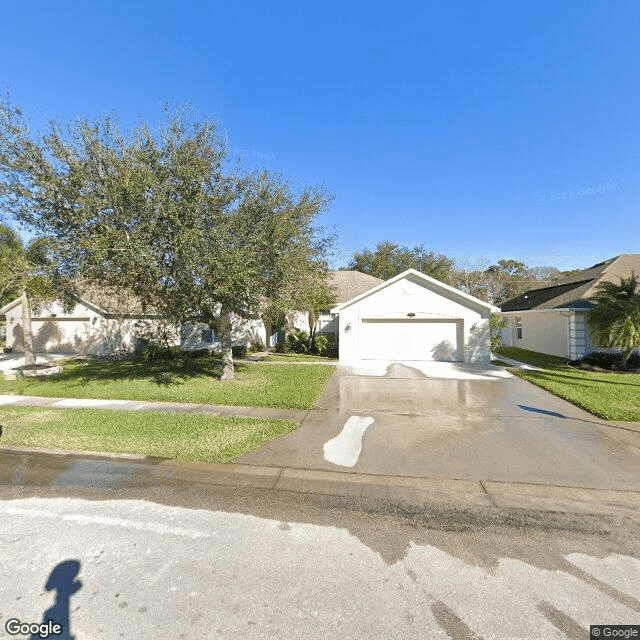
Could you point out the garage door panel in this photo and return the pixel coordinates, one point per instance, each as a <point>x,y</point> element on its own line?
<point>410,340</point>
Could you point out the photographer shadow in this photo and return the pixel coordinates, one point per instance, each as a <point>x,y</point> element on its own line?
<point>63,579</point>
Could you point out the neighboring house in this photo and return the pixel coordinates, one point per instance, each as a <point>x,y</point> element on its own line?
<point>555,319</point>
<point>97,325</point>
<point>100,324</point>
<point>412,318</point>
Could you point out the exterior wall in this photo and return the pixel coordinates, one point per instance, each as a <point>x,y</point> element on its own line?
<point>407,296</point>
<point>327,324</point>
<point>542,331</point>
<point>82,331</point>
<point>243,333</point>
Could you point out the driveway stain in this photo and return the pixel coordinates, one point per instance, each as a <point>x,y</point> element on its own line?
<point>344,449</point>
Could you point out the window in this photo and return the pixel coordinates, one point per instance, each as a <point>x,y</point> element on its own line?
<point>208,335</point>
<point>519,327</point>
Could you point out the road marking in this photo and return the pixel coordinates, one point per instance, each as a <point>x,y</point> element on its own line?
<point>344,449</point>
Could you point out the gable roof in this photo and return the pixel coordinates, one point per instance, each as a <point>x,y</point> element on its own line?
<point>349,284</point>
<point>105,303</point>
<point>575,291</point>
<point>424,278</point>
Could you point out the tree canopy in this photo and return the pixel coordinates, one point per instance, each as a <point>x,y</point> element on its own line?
<point>389,259</point>
<point>159,213</point>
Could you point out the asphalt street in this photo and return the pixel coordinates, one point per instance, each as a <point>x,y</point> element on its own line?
<point>174,558</point>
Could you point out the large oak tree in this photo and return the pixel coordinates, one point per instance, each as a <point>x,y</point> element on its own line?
<point>161,214</point>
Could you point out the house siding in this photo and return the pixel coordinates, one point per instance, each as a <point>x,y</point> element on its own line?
<point>547,332</point>
<point>425,302</point>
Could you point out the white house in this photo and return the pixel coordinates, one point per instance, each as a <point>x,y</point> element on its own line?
<point>412,318</point>
<point>97,325</point>
<point>555,319</point>
<point>101,324</point>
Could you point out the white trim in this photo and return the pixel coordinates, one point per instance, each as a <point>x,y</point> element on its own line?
<point>420,276</point>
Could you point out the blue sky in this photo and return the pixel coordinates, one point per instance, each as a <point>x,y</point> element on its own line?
<point>483,130</point>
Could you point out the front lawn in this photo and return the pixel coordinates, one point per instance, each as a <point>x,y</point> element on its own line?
<point>183,437</point>
<point>291,387</point>
<point>609,395</point>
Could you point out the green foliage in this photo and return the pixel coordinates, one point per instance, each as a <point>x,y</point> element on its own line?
<point>496,324</point>
<point>256,345</point>
<point>298,341</point>
<point>159,214</point>
<point>321,344</point>
<point>281,347</point>
<point>615,320</point>
<point>239,351</point>
<point>182,437</point>
<point>613,361</point>
<point>178,380</point>
<point>389,259</point>
<point>151,351</point>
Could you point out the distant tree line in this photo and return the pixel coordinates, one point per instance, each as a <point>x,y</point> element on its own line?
<point>489,282</point>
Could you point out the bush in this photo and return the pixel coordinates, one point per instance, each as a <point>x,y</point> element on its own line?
<point>239,351</point>
<point>298,341</point>
<point>152,351</point>
<point>612,361</point>
<point>281,346</point>
<point>496,324</point>
<point>256,345</point>
<point>8,349</point>
<point>326,346</point>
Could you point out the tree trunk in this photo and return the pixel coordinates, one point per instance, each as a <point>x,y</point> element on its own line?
<point>313,319</point>
<point>27,335</point>
<point>267,333</point>
<point>228,372</point>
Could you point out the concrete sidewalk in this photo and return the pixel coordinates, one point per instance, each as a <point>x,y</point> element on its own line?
<point>297,415</point>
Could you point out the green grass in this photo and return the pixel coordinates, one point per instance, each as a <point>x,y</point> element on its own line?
<point>184,437</point>
<point>610,395</point>
<point>296,357</point>
<point>292,387</point>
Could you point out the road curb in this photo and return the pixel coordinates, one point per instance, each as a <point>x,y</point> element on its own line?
<point>412,491</point>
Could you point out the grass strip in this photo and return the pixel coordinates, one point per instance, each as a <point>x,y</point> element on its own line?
<point>608,395</point>
<point>291,387</point>
<point>183,436</point>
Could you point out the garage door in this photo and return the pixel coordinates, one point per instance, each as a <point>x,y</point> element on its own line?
<point>411,339</point>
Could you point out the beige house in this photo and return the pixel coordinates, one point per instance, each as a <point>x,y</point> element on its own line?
<point>97,325</point>
<point>555,319</point>
<point>102,324</point>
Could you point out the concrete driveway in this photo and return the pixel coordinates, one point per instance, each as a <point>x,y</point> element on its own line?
<point>405,423</point>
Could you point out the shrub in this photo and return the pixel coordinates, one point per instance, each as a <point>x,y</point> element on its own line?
<point>152,351</point>
<point>256,345</point>
<point>321,345</point>
<point>298,341</point>
<point>8,349</point>
<point>496,324</point>
<point>613,361</point>
<point>281,346</point>
<point>239,351</point>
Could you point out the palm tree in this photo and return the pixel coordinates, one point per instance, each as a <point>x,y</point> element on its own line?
<point>24,271</point>
<point>615,320</point>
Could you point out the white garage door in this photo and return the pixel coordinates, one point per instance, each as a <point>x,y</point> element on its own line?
<point>411,339</point>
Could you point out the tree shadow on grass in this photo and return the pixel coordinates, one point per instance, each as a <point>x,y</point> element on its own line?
<point>161,372</point>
